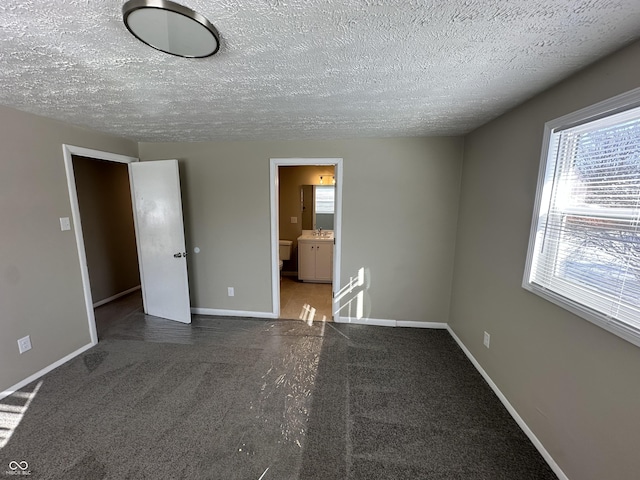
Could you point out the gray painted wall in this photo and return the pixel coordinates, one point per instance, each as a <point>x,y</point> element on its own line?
<point>573,383</point>
<point>399,219</point>
<point>104,198</point>
<point>41,291</point>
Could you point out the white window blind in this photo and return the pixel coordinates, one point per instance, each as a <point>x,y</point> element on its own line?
<point>584,252</point>
<point>325,198</point>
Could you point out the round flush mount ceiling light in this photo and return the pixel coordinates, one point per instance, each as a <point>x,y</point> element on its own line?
<point>171,28</point>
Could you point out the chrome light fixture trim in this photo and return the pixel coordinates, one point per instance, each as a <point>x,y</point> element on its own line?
<point>171,28</point>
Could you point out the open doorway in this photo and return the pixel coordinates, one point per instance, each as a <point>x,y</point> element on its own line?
<point>106,211</point>
<point>306,213</point>
<point>159,233</point>
<point>99,192</point>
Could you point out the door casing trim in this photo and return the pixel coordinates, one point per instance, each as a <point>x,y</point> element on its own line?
<point>68,151</point>
<point>274,163</point>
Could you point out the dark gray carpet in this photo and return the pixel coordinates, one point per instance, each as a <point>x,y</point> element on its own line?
<point>253,399</point>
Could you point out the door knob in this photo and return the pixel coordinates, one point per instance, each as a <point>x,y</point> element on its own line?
<point>177,255</point>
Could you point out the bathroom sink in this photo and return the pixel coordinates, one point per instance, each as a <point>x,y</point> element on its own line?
<point>306,237</point>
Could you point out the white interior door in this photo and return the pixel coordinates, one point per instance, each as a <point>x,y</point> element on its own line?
<point>157,208</point>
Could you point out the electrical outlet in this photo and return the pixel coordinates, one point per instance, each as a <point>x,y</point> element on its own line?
<point>24,344</point>
<point>294,219</point>
<point>487,339</point>
<point>230,291</point>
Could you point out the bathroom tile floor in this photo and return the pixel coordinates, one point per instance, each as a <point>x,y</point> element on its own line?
<point>304,301</point>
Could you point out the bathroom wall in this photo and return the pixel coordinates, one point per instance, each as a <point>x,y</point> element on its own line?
<point>104,198</point>
<point>575,384</point>
<point>291,180</point>
<point>41,292</point>
<point>399,219</point>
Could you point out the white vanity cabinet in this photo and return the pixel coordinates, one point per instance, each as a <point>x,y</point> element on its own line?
<point>315,259</point>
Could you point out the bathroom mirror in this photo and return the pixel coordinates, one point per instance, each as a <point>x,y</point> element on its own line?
<point>317,203</point>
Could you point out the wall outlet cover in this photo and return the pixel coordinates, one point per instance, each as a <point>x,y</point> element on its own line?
<point>230,291</point>
<point>487,339</point>
<point>24,344</point>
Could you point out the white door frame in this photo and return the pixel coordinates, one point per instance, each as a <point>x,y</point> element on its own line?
<point>68,151</point>
<point>274,163</point>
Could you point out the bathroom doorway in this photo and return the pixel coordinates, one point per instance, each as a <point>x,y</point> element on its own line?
<point>306,213</point>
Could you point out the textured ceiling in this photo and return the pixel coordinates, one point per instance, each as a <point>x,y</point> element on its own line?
<point>295,69</point>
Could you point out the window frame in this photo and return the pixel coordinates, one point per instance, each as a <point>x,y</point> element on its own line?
<point>620,103</point>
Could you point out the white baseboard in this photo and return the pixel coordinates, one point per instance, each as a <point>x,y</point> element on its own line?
<point>525,428</point>
<point>413,324</point>
<point>389,323</point>
<point>116,296</point>
<point>231,313</point>
<point>380,322</point>
<point>44,371</point>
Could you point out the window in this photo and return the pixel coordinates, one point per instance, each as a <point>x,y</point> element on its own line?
<point>584,249</point>
<point>325,198</point>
